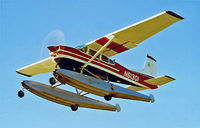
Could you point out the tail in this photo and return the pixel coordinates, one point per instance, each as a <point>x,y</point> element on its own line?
<point>150,67</point>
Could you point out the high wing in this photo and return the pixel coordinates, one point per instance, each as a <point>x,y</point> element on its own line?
<point>132,35</point>
<point>43,66</point>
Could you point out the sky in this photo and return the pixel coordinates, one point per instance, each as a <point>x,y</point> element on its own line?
<point>24,25</point>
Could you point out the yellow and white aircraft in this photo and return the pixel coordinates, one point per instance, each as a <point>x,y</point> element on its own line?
<point>88,68</point>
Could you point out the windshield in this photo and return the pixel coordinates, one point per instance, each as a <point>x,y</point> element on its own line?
<point>80,46</point>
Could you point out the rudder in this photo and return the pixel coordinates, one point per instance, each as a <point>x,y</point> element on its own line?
<point>150,67</point>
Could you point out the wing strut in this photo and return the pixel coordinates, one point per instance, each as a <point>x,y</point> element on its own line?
<point>97,53</point>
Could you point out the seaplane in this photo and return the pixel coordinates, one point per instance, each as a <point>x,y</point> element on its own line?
<point>90,70</point>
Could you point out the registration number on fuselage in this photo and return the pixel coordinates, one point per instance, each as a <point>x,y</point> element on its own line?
<point>131,76</point>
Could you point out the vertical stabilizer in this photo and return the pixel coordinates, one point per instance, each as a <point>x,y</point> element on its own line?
<point>150,67</point>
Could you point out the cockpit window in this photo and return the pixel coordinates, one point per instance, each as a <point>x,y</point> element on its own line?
<point>92,52</point>
<point>111,61</point>
<point>83,48</point>
<point>106,59</point>
<point>80,47</point>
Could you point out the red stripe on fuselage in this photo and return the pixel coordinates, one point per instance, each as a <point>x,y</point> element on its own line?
<point>114,46</point>
<point>103,65</point>
<point>75,53</point>
<point>141,77</point>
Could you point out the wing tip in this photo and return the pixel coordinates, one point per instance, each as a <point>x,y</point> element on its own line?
<point>174,14</point>
<point>23,74</point>
<point>170,77</point>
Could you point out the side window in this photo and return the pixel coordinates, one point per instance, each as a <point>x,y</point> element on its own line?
<point>104,58</point>
<point>84,49</point>
<point>92,52</point>
<point>98,56</point>
<point>111,61</point>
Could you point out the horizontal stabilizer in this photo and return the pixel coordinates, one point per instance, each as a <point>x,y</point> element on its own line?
<point>135,88</point>
<point>43,66</point>
<point>159,80</point>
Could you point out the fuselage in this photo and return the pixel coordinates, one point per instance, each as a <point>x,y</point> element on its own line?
<point>73,59</point>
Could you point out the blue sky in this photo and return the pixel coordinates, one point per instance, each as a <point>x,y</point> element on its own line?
<point>25,24</point>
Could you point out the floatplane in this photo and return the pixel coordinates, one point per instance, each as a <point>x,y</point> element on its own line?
<point>89,69</point>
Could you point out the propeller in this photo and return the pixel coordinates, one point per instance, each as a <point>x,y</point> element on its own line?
<point>53,38</point>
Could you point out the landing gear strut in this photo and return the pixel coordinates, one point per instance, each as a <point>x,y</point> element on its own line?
<point>21,93</point>
<point>108,97</point>
<point>52,80</point>
<point>74,107</point>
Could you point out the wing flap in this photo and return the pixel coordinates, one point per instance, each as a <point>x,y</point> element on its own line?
<point>43,66</point>
<point>132,35</point>
<point>159,80</point>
